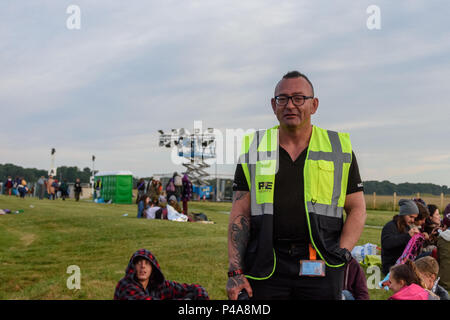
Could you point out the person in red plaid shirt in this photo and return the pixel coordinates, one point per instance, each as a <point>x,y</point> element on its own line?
<point>144,280</point>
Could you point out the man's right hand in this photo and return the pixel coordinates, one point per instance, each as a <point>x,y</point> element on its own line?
<point>236,284</point>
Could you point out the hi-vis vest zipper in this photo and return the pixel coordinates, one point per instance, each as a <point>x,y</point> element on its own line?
<point>325,173</point>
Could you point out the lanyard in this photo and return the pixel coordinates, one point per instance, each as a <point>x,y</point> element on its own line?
<point>312,253</point>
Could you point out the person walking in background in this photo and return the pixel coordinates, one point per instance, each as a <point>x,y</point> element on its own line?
<point>22,188</point>
<point>51,188</point>
<point>16,184</point>
<point>56,185</point>
<point>64,189</point>
<point>98,189</point>
<point>154,190</point>
<point>9,184</point>
<point>77,189</point>
<point>140,188</point>
<point>170,188</point>
<point>178,181</point>
<point>186,193</point>
<point>41,187</point>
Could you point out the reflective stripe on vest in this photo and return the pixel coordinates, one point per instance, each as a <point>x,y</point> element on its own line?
<point>328,161</point>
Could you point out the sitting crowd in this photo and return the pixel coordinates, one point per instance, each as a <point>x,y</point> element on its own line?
<point>154,203</point>
<point>415,256</point>
<point>415,252</point>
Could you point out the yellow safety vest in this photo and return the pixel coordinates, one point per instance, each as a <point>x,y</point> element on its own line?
<point>326,169</point>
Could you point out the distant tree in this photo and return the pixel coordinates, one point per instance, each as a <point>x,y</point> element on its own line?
<point>388,188</point>
<point>32,174</point>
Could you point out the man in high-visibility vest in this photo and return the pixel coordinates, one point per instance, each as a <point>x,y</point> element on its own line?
<point>287,238</point>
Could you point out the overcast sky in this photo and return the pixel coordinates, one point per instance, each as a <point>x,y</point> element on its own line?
<point>133,68</point>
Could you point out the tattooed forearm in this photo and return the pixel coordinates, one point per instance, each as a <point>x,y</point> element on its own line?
<point>239,233</point>
<point>235,281</point>
<point>239,195</point>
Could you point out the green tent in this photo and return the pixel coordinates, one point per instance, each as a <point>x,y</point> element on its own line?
<point>116,186</point>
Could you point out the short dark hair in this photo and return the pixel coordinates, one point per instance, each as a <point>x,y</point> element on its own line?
<point>296,74</point>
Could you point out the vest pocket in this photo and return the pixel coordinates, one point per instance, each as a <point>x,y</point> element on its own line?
<point>330,231</point>
<point>321,173</point>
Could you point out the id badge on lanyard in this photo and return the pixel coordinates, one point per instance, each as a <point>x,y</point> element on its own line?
<point>312,267</point>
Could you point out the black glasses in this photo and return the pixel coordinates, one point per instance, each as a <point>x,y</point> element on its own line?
<point>297,99</point>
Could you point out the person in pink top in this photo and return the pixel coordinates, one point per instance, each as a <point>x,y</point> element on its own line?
<point>406,284</point>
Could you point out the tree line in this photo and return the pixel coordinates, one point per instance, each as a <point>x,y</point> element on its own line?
<point>403,189</point>
<point>69,174</point>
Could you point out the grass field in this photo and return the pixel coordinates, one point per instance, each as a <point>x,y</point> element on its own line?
<point>39,244</point>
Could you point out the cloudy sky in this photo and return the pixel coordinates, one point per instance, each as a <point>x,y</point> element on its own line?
<point>131,69</point>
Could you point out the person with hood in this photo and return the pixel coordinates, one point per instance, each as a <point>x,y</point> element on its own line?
<point>397,233</point>
<point>144,280</point>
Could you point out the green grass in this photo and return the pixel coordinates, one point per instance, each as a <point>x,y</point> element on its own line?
<point>38,245</point>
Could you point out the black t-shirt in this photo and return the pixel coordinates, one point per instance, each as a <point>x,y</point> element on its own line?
<point>289,202</point>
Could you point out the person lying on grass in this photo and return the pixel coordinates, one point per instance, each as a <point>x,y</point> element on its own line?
<point>144,280</point>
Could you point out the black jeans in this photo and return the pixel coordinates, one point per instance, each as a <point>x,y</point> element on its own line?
<point>286,284</point>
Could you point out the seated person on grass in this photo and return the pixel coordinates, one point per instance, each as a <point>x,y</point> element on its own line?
<point>428,269</point>
<point>405,282</point>
<point>144,280</point>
